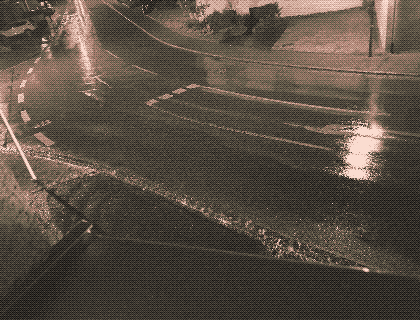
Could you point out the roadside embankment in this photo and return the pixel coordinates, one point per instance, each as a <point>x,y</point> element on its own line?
<point>22,242</point>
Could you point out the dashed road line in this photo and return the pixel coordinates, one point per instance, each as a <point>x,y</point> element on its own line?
<point>30,70</point>
<point>21,97</point>
<point>193,86</point>
<point>151,102</point>
<point>179,91</point>
<point>37,60</point>
<point>40,136</point>
<point>22,85</point>
<point>165,96</point>
<point>25,116</point>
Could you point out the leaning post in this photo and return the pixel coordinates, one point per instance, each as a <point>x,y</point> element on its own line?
<point>371,12</point>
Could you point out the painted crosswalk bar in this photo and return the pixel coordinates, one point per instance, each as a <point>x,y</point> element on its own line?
<point>25,116</point>
<point>41,137</point>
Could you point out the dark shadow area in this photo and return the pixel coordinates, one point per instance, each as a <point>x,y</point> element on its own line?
<point>124,279</point>
<point>123,210</point>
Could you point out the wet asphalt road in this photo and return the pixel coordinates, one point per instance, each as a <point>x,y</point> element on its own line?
<point>338,167</point>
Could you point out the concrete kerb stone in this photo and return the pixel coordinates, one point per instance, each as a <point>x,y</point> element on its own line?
<point>356,64</point>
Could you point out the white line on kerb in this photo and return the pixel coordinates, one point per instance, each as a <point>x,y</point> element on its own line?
<point>30,70</point>
<point>22,85</point>
<point>144,69</point>
<point>21,98</point>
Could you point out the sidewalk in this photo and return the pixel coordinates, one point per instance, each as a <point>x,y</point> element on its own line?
<point>337,41</point>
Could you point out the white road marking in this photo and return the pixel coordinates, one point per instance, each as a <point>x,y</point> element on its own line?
<point>243,131</point>
<point>112,54</point>
<point>30,70</point>
<point>193,85</point>
<point>40,136</point>
<point>151,102</point>
<point>37,60</point>
<point>339,129</point>
<point>25,116</point>
<point>179,91</point>
<point>100,80</point>
<point>22,85</point>
<point>165,96</point>
<point>88,92</point>
<point>288,103</point>
<point>144,69</point>
<point>21,98</point>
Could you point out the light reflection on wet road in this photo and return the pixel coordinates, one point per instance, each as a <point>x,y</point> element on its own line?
<point>343,156</point>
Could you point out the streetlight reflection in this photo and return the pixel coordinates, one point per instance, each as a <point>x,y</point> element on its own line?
<point>362,147</point>
<point>360,153</point>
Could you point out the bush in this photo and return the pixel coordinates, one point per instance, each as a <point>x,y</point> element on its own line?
<point>222,20</point>
<point>264,12</point>
<point>270,25</point>
<point>196,24</point>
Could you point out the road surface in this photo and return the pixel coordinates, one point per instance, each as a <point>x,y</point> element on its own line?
<point>329,159</point>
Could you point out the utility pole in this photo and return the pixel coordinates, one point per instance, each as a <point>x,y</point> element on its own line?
<point>371,12</point>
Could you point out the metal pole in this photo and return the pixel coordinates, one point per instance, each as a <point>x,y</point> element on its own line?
<point>28,166</point>
<point>371,26</point>
<point>393,27</point>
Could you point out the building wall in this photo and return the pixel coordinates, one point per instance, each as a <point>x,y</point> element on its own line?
<point>305,7</point>
<point>289,7</point>
<point>382,11</point>
<point>407,26</point>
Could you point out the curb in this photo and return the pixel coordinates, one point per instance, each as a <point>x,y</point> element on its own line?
<point>295,66</point>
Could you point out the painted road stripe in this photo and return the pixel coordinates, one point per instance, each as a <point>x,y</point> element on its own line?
<point>21,98</point>
<point>22,85</point>
<point>247,132</point>
<point>37,59</point>
<point>165,96</point>
<point>144,69</point>
<point>339,129</point>
<point>112,54</point>
<point>151,102</point>
<point>292,104</point>
<point>30,70</point>
<point>25,116</point>
<point>193,86</point>
<point>100,80</point>
<point>43,139</point>
<point>179,91</point>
